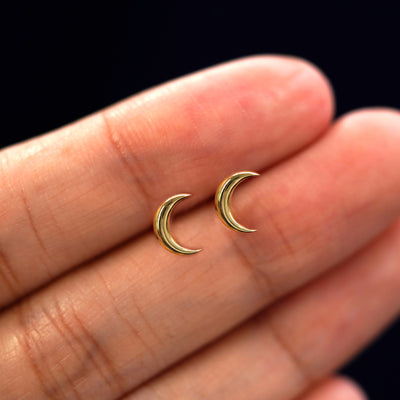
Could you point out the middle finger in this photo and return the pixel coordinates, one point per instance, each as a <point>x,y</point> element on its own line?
<point>106,328</point>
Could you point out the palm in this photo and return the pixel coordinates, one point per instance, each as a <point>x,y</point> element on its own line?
<point>94,308</point>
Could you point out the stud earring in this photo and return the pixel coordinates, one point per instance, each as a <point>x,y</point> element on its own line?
<point>161,226</point>
<point>222,200</point>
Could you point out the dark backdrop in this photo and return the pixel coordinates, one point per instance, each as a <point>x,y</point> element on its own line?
<point>63,61</point>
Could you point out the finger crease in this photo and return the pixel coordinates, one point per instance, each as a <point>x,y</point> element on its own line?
<point>30,348</point>
<point>299,365</point>
<point>126,321</point>
<point>131,164</point>
<point>8,276</point>
<point>260,277</point>
<point>112,383</point>
<point>34,229</point>
<point>66,336</point>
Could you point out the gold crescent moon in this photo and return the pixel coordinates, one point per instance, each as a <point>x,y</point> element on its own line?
<point>161,225</point>
<point>223,200</point>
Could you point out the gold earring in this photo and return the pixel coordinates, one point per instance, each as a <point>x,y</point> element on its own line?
<point>161,226</point>
<point>222,200</point>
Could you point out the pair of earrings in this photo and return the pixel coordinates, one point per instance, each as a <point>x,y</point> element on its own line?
<point>222,205</point>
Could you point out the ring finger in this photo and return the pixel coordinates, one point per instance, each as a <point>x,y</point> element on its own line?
<point>286,349</point>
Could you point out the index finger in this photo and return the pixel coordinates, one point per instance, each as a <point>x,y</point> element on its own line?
<point>75,193</point>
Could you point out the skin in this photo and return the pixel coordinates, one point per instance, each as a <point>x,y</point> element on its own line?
<point>94,308</point>
<point>337,388</point>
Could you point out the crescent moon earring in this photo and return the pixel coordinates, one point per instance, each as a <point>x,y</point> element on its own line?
<point>222,200</point>
<point>161,225</point>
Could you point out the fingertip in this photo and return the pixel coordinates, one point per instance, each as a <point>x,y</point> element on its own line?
<point>375,133</point>
<point>346,388</point>
<point>380,116</point>
<point>306,73</point>
<point>336,388</point>
<point>277,101</point>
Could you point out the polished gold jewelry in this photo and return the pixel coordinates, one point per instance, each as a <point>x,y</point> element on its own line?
<point>161,225</point>
<point>222,200</point>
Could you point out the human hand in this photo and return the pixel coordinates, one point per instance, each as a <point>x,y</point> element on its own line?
<point>95,308</point>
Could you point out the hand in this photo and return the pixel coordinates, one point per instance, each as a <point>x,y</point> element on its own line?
<point>95,308</point>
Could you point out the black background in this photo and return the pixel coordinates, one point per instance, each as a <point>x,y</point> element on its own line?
<point>62,61</point>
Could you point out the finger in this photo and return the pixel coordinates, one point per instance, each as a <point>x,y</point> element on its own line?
<point>79,191</point>
<point>145,308</point>
<point>285,350</point>
<point>337,388</point>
